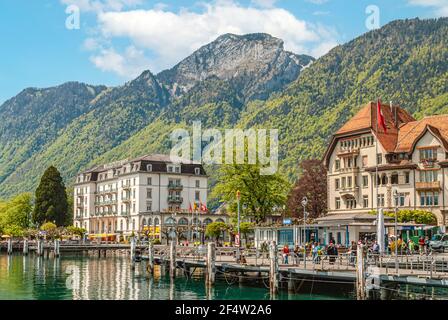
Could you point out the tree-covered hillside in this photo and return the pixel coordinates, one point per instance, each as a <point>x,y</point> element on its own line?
<point>405,61</point>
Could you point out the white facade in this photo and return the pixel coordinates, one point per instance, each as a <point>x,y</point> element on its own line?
<point>125,198</point>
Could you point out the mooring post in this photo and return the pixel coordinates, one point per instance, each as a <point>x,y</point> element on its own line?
<point>360,273</point>
<point>25,247</point>
<point>39,245</point>
<point>172,259</point>
<point>150,267</point>
<point>10,246</point>
<point>132,253</point>
<point>273,270</point>
<point>56,248</point>
<point>211,258</point>
<point>290,283</point>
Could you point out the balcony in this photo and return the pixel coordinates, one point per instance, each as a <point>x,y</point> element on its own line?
<point>175,186</point>
<point>126,186</point>
<point>349,170</point>
<point>434,185</point>
<point>126,199</point>
<point>175,199</point>
<point>428,163</point>
<point>125,213</point>
<point>348,192</point>
<point>105,202</point>
<point>113,190</point>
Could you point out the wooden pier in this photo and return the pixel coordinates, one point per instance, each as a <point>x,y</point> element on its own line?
<point>372,277</point>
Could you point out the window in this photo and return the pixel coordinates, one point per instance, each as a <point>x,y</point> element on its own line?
<point>197,171</point>
<point>365,181</point>
<point>428,175</point>
<point>349,162</point>
<point>365,201</point>
<point>149,181</point>
<point>401,199</point>
<point>149,193</point>
<point>394,178</point>
<point>351,203</point>
<point>349,182</point>
<point>338,203</point>
<point>379,158</point>
<point>343,182</point>
<point>170,168</point>
<point>198,184</point>
<point>148,205</point>
<point>337,184</point>
<point>337,164</point>
<point>133,207</point>
<point>380,200</point>
<point>406,177</point>
<point>177,169</point>
<point>428,154</point>
<point>429,198</point>
<point>149,167</point>
<point>197,196</point>
<point>364,161</point>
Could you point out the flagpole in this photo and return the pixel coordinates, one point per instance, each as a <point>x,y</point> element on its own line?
<point>376,174</point>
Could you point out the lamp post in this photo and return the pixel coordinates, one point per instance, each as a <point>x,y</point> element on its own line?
<point>395,230</point>
<point>238,195</point>
<point>304,203</point>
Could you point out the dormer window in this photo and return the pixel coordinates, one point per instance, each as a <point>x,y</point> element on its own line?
<point>177,169</point>
<point>197,171</point>
<point>170,169</point>
<point>149,167</point>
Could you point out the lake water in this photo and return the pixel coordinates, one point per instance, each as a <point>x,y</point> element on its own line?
<point>87,277</point>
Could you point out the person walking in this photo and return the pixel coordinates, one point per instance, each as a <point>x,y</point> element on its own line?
<point>285,254</point>
<point>421,244</point>
<point>297,254</point>
<point>410,246</point>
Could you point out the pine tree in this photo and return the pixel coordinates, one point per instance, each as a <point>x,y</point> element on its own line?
<point>51,199</point>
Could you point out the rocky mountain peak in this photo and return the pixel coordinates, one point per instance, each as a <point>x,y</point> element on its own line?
<point>257,63</point>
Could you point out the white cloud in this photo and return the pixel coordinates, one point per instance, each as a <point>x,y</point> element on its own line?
<point>440,6</point>
<point>172,36</point>
<point>127,65</point>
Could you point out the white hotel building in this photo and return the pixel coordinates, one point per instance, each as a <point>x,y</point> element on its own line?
<point>125,196</point>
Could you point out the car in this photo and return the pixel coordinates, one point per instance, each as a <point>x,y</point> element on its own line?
<point>439,242</point>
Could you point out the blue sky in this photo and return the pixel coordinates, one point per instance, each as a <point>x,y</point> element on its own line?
<point>117,39</point>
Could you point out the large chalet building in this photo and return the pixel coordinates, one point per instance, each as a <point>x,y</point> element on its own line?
<point>412,157</point>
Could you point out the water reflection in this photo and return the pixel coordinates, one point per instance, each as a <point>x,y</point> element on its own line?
<point>92,278</point>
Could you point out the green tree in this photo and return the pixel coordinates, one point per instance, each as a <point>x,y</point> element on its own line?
<point>51,199</point>
<point>15,214</point>
<point>260,194</point>
<point>215,229</point>
<point>51,230</point>
<point>77,231</point>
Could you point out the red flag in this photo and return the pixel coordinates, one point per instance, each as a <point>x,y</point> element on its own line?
<point>190,209</point>
<point>380,117</point>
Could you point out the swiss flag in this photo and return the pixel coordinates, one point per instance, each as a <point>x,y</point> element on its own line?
<point>380,117</point>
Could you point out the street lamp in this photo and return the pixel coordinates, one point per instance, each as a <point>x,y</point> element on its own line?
<point>395,230</point>
<point>304,203</point>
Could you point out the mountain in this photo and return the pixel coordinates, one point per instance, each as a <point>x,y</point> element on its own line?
<point>256,65</point>
<point>223,75</point>
<point>225,86</point>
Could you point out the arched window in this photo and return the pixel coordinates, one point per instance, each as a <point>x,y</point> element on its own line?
<point>149,221</point>
<point>219,220</point>
<point>127,225</point>
<point>156,221</point>
<point>196,221</point>
<point>183,221</point>
<point>170,220</point>
<point>144,222</point>
<point>121,225</point>
<point>394,178</point>
<point>207,221</point>
<point>384,180</point>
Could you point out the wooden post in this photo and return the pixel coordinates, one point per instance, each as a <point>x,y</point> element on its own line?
<point>273,269</point>
<point>39,247</point>
<point>150,267</point>
<point>10,246</point>
<point>360,273</point>
<point>132,253</point>
<point>56,248</point>
<point>172,259</point>
<point>211,257</point>
<point>25,247</point>
<point>290,283</point>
